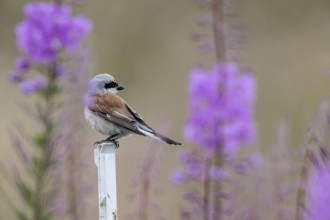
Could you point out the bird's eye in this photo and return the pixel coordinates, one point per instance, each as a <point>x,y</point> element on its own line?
<point>110,85</point>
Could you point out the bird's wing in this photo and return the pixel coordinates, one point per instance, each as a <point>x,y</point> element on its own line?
<point>115,110</point>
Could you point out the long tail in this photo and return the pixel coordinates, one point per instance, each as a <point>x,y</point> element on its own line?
<point>146,130</point>
<point>165,139</point>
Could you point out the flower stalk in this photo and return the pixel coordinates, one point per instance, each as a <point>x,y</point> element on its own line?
<point>219,31</point>
<point>40,209</point>
<point>220,118</point>
<point>207,190</point>
<point>47,37</point>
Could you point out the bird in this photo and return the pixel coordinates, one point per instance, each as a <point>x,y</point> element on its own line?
<point>110,115</point>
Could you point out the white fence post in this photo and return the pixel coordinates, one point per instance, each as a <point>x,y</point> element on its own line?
<point>105,160</point>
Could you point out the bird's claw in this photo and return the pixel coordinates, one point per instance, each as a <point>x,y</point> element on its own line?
<point>116,143</point>
<point>97,143</point>
<point>111,139</point>
<point>106,140</point>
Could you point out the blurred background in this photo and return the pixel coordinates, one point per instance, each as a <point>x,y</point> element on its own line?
<point>146,45</point>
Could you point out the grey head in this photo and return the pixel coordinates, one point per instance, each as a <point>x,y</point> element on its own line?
<point>103,83</point>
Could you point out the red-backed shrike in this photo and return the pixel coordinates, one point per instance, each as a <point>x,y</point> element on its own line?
<point>110,115</point>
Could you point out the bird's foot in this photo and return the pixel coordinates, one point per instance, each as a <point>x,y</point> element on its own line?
<point>116,143</point>
<point>107,140</point>
<point>110,139</point>
<point>98,142</point>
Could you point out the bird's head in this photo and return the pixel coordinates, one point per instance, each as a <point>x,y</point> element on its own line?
<point>103,83</point>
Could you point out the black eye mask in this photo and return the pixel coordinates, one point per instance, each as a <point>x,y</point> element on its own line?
<point>110,85</point>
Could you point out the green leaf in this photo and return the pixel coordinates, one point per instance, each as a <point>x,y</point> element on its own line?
<point>27,193</point>
<point>40,141</point>
<point>50,91</point>
<point>36,165</point>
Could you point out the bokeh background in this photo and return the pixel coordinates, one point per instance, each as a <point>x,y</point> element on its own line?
<point>146,45</point>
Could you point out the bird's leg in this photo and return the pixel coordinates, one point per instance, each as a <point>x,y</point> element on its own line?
<point>111,138</point>
<point>116,143</point>
<point>113,141</point>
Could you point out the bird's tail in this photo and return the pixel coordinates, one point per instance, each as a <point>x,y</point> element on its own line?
<point>165,139</point>
<point>146,130</point>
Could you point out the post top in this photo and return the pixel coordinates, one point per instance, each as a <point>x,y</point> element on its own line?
<point>107,147</point>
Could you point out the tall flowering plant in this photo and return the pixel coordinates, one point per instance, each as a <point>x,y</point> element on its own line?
<point>50,39</point>
<point>220,121</point>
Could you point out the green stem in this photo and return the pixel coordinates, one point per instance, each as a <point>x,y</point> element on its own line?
<point>73,209</point>
<point>40,209</point>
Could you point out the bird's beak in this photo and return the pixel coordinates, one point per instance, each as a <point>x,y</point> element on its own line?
<point>119,87</point>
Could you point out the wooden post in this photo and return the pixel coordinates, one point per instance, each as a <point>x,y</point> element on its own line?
<point>105,160</point>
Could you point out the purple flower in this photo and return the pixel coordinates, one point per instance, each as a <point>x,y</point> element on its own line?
<point>49,28</point>
<point>178,176</point>
<point>318,192</point>
<point>217,173</point>
<point>33,85</point>
<point>16,76</point>
<point>221,108</point>
<point>40,83</point>
<point>22,64</point>
<point>27,87</point>
<point>193,165</point>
